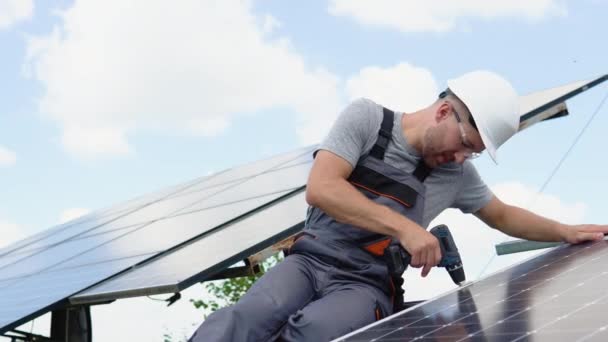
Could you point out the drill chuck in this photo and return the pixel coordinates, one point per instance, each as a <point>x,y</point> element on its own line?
<point>456,272</point>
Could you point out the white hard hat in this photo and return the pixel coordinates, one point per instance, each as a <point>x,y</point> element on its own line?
<point>492,102</point>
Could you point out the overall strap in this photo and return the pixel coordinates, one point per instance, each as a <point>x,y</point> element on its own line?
<point>422,171</point>
<point>384,135</point>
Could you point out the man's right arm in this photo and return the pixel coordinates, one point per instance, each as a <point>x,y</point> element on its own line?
<point>329,190</point>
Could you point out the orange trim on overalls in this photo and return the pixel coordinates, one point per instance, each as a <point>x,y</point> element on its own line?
<point>383,195</point>
<point>377,248</point>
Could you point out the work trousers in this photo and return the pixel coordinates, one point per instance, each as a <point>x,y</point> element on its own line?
<point>300,299</point>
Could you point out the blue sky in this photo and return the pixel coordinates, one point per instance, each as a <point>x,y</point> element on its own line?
<point>103,101</point>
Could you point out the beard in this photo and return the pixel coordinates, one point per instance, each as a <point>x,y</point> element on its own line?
<point>432,146</point>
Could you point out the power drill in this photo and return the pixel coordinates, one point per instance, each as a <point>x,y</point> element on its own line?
<point>399,258</point>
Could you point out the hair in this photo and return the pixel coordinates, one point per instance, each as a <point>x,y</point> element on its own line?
<point>448,94</point>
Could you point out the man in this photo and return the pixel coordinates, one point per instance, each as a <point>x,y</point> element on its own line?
<point>380,177</point>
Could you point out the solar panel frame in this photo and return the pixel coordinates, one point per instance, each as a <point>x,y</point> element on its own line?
<point>584,86</point>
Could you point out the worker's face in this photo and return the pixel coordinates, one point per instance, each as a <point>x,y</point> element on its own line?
<point>450,140</point>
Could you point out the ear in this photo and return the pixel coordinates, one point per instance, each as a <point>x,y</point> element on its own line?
<point>443,111</point>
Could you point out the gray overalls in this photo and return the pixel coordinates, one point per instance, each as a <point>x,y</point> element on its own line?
<point>335,278</point>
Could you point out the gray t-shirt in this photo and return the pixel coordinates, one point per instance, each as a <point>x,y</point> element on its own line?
<point>448,186</point>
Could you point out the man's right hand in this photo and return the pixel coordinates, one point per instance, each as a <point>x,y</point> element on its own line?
<point>422,246</point>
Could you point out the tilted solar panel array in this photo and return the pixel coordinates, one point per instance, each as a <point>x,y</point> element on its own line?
<point>168,240</point>
<point>561,295</point>
<point>41,272</point>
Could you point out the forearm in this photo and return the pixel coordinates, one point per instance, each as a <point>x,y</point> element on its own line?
<point>342,201</point>
<point>524,224</point>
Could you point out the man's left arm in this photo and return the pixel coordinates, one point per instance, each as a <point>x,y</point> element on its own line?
<point>521,223</point>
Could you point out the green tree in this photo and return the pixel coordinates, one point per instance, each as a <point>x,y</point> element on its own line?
<point>226,292</point>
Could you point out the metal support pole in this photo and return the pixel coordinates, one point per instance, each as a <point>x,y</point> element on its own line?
<point>71,324</point>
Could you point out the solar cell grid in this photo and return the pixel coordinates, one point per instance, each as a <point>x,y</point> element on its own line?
<point>559,295</point>
<point>18,246</point>
<point>279,181</point>
<point>53,256</point>
<point>246,171</point>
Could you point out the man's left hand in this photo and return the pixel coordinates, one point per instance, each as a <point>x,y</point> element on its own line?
<point>584,232</point>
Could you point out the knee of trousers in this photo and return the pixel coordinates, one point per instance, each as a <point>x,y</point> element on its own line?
<point>245,321</point>
<point>307,328</point>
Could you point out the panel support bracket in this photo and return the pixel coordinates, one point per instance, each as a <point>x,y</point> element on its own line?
<point>253,263</point>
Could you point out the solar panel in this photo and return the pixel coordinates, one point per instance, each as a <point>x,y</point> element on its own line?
<point>197,261</point>
<point>558,296</point>
<point>550,103</point>
<point>43,271</point>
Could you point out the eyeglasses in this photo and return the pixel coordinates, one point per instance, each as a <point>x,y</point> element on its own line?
<point>470,154</point>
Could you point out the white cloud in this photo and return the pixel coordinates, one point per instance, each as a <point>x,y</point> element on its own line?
<point>439,16</point>
<point>7,157</point>
<point>113,67</point>
<point>13,11</point>
<point>72,213</point>
<point>476,241</point>
<point>270,24</point>
<point>401,87</point>
<point>9,233</point>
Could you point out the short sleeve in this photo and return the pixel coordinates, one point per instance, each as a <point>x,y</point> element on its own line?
<point>474,194</point>
<point>354,129</point>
